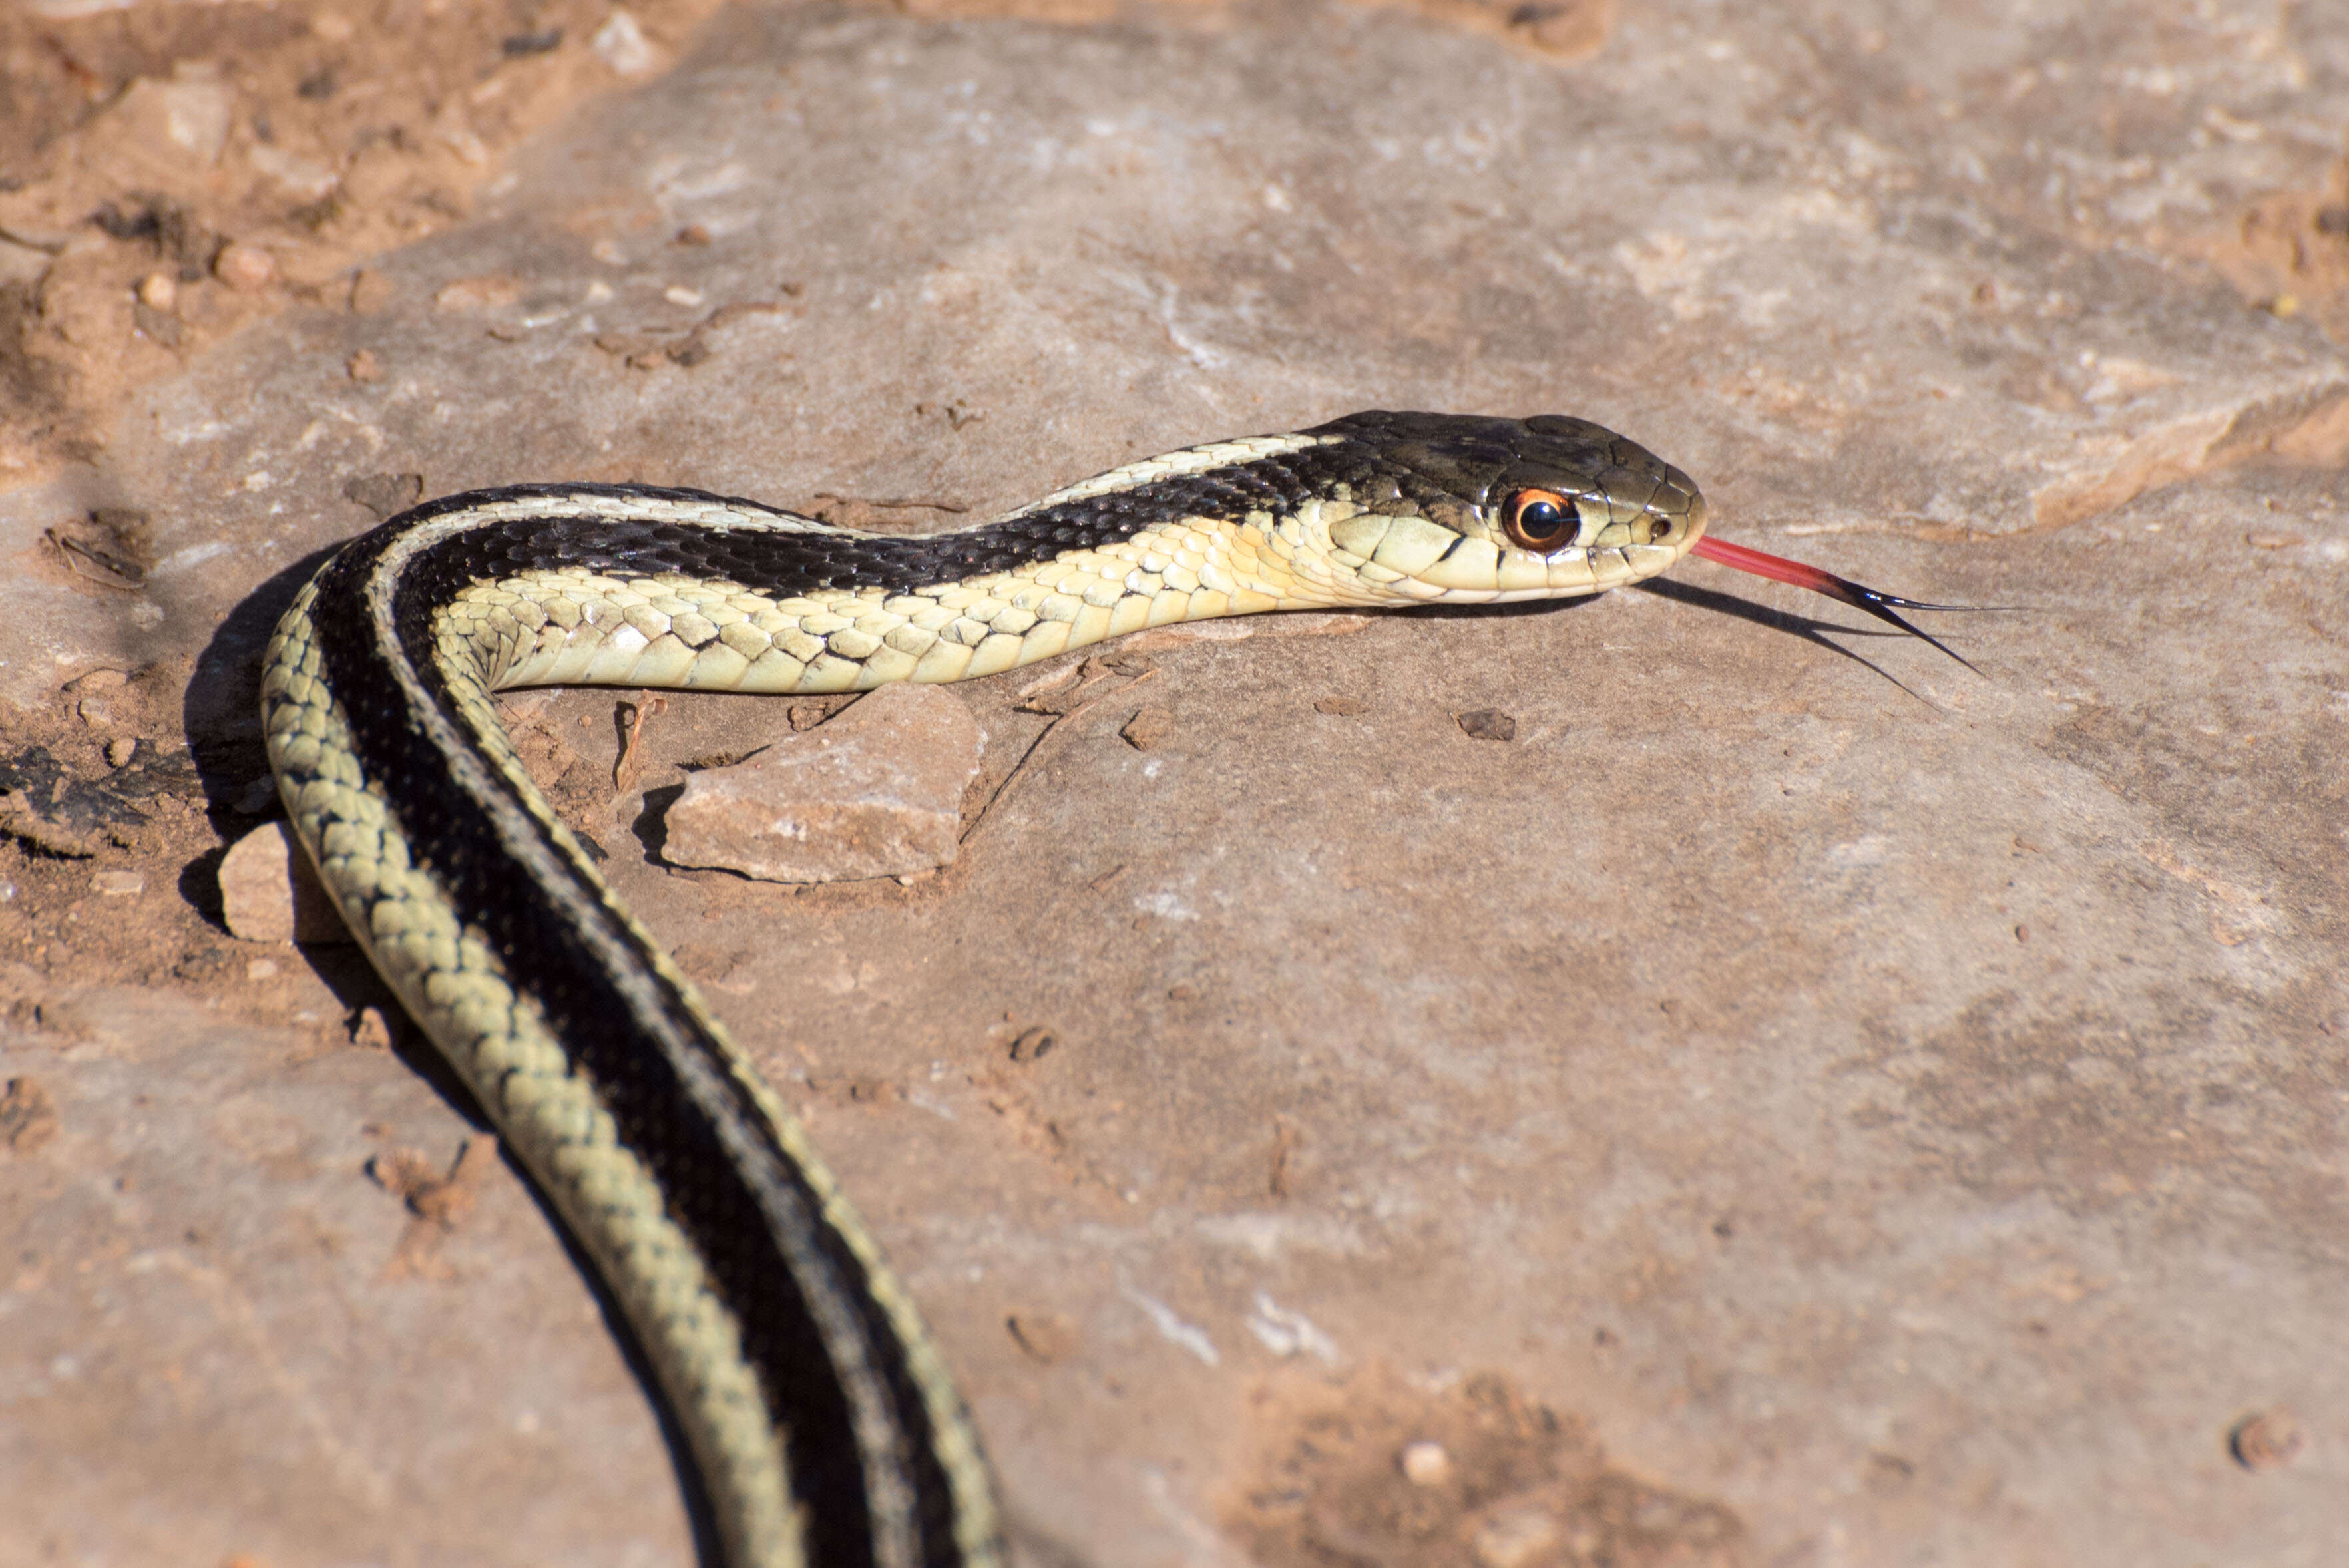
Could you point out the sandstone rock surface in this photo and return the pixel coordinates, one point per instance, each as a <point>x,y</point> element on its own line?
<point>876,791</point>
<point>1896,1114</point>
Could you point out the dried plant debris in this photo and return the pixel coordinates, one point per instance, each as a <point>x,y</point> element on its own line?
<point>437,1203</point>
<point>110,551</point>
<point>45,807</point>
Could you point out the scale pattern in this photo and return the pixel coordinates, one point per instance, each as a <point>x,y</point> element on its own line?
<point>824,1426</point>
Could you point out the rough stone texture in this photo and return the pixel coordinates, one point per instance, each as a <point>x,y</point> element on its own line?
<point>269,894</point>
<point>174,173</point>
<point>1905,1120</point>
<point>875,793</point>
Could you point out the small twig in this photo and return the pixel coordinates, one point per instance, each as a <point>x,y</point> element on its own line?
<point>1284,1141</point>
<point>86,560</point>
<point>635,717</point>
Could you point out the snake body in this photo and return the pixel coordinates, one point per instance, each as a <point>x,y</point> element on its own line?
<point>822,1422</point>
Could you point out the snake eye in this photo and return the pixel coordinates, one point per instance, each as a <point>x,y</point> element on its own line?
<point>1540,521</point>
<point>1658,529</point>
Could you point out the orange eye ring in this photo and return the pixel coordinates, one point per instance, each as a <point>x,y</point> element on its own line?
<point>1540,521</point>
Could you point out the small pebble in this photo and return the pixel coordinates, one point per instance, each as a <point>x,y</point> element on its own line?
<point>364,366</point>
<point>1149,728</point>
<point>622,45</point>
<point>370,291</point>
<point>1047,1335</point>
<point>269,894</point>
<point>693,234</point>
<point>1425,1463</point>
<point>678,293</point>
<point>117,884</point>
<point>245,268</point>
<point>370,1030</point>
<point>1488,724</point>
<point>97,681</point>
<point>487,290</point>
<point>158,290</point>
<point>385,495</point>
<point>1341,706</point>
<point>1516,1538</point>
<point>120,750</point>
<point>261,969</point>
<point>1033,1044</point>
<point>2268,1440</point>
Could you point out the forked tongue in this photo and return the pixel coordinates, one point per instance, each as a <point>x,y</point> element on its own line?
<point>1778,569</point>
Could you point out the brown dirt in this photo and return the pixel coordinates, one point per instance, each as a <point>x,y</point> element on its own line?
<point>2288,252</point>
<point>1374,1472</point>
<point>169,173</point>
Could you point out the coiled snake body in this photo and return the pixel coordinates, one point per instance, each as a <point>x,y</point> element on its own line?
<point>822,1423</point>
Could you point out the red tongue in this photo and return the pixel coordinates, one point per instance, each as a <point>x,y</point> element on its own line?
<point>1774,567</point>
<point>1780,570</point>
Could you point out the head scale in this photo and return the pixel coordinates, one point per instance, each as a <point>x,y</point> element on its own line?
<point>1472,508</point>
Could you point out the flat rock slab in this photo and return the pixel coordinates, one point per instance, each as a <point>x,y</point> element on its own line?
<point>1894,1115</point>
<point>875,791</point>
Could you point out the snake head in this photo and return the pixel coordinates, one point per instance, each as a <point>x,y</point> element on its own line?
<point>1475,510</point>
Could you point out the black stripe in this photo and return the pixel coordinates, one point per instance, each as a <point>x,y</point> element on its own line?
<point>783,563</point>
<point>1433,462</point>
<point>1428,460</point>
<point>660,1117</point>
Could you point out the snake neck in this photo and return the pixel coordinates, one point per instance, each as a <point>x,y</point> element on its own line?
<point>584,625</point>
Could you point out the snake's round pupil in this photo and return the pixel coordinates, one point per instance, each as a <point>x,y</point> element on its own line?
<point>1657,530</point>
<point>1538,521</point>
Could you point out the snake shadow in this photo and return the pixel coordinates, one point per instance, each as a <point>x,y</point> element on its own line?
<point>418,1056</point>
<point>1807,629</point>
<point>221,710</point>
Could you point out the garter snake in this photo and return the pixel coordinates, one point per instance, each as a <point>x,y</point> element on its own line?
<point>821,1422</point>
